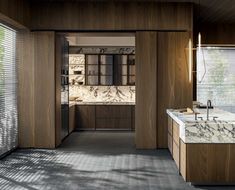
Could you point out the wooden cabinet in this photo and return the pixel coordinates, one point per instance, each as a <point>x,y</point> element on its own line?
<point>72,116</point>
<point>85,117</point>
<point>170,134</point>
<point>105,117</point>
<point>201,163</point>
<point>173,140</point>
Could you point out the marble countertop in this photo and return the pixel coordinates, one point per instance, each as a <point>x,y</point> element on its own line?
<point>220,130</point>
<point>100,103</point>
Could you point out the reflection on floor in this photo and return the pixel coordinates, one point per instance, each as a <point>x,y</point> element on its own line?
<point>92,160</point>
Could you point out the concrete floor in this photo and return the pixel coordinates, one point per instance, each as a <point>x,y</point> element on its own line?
<point>93,161</point>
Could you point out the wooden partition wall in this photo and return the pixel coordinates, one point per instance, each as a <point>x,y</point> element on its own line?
<point>161,66</point>
<point>36,102</point>
<point>162,82</point>
<point>174,82</point>
<point>146,90</point>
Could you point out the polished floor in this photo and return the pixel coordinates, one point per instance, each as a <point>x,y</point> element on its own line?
<point>93,161</point>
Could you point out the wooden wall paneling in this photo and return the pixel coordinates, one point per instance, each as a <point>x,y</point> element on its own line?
<point>110,15</point>
<point>165,82</point>
<point>25,62</point>
<point>175,89</point>
<point>146,90</point>
<point>44,89</point>
<point>58,62</point>
<point>15,13</point>
<point>183,85</point>
<point>215,33</point>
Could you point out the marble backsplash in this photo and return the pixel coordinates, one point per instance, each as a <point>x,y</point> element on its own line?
<point>102,93</point>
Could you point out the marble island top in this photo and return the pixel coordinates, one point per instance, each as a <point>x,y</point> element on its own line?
<point>220,130</point>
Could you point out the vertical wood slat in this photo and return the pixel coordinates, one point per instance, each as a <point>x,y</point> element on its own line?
<point>146,90</point>
<point>58,58</point>
<point>174,87</point>
<point>44,89</point>
<point>25,60</point>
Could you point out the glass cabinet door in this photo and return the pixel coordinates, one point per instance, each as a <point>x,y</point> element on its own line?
<point>92,69</point>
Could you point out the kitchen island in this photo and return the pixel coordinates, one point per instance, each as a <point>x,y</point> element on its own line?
<point>204,150</point>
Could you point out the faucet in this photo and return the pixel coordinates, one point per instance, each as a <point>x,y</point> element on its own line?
<point>207,109</point>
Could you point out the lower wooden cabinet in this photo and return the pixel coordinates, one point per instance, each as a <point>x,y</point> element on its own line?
<point>170,143</point>
<point>72,124</point>
<point>175,154</point>
<point>105,117</point>
<point>85,117</point>
<point>202,163</point>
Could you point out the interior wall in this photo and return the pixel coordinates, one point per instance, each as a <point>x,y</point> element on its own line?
<point>26,88</point>
<point>212,33</point>
<point>173,78</point>
<point>111,15</point>
<point>15,13</point>
<point>114,16</point>
<point>146,90</point>
<point>36,90</point>
<point>44,98</point>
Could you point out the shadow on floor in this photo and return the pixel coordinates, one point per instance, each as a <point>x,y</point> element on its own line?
<point>90,161</point>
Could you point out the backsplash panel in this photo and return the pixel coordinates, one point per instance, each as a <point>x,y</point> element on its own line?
<point>102,93</point>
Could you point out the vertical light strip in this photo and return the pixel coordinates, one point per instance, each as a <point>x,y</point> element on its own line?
<point>199,47</point>
<point>190,60</point>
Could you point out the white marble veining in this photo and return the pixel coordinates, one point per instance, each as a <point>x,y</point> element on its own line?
<point>101,103</point>
<point>220,130</point>
<point>102,94</point>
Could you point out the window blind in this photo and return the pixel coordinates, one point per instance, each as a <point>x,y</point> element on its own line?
<point>216,76</point>
<point>8,90</point>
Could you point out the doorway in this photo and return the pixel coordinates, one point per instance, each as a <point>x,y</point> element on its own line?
<point>97,82</point>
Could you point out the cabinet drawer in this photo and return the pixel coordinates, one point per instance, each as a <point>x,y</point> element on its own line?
<point>105,123</point>
<point>176,153</point>
<point>170,142</point>
<point>113,111</point>
<point>169,125</point>
<point>175,133</point>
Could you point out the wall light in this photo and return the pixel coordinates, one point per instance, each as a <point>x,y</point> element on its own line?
<point>190,49</point>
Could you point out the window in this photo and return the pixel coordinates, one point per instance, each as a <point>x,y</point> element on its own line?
<point>8,97</point>
<point>216,76</point>
<point>110,69</point>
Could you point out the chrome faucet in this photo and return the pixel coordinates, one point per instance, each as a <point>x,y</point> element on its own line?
<point>207,109</point>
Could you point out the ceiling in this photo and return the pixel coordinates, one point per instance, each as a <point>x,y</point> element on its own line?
<point>205,10</point>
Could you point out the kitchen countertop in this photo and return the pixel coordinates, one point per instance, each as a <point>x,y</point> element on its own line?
<point>220,130</point>
<point>100,103</point>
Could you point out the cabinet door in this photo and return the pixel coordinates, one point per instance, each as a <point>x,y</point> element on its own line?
<point>170,142</point>
<point>114,117</point>
<point>176,133</point>
<point>72,120</point>
<point>85,116</point>
<point>176,153</point>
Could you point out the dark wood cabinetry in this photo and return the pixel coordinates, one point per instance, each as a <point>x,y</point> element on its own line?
<point>85,117</point>
<point>105,117</point>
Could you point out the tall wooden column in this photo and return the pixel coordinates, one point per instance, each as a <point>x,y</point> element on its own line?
<point>146,90</point>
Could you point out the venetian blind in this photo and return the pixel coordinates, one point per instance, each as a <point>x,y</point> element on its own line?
<point>216,76</point>
<point>8,87</point>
